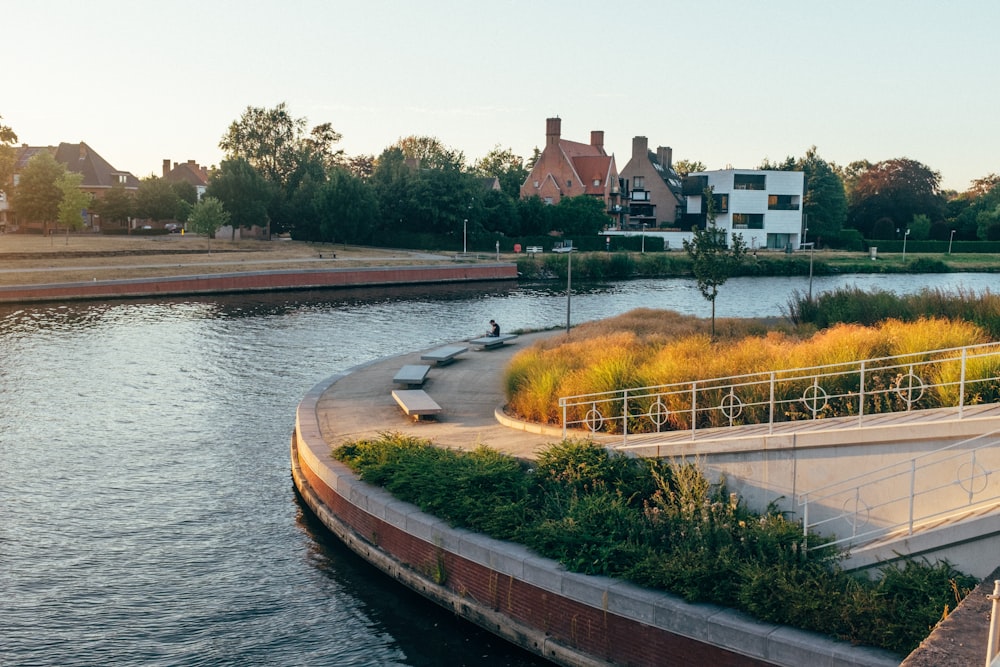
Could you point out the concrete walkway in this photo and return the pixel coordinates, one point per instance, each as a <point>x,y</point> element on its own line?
<point>359,403</point>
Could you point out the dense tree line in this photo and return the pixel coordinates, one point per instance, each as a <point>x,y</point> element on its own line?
<point>283,176</point>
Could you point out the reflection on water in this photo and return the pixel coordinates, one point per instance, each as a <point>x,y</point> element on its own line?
<point>146,509</point>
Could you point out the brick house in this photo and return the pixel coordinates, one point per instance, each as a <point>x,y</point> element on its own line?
<point>571,169</point>
<point>99,176</point>
<point>189,172</point>
<point>652,190</point>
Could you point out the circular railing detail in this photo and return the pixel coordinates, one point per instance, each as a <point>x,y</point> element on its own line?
<point>972,477</point>
<point>658,413</point>
<point>594,420</point>
<point>731,405</point>
<point>906,385</point>
<point>814,398</point>
<point>858,513</point>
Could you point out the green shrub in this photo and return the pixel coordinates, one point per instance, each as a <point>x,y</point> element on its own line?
<point>662,525</point>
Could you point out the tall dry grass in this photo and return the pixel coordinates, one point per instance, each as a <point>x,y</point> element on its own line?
<point>646,347</point>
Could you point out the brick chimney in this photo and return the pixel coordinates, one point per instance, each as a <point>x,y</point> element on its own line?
<point>597,139</point>
<point>553,129</point>
<point>166,168</point>
<point>665,154</point>
<point>640,146</point>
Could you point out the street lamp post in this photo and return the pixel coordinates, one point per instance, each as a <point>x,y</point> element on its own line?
<point>811,246</point>
<point>950,239</point>
<point>644,238</point>
<point>569,285</point>
<point>465,227</point>
<point>905,234</point>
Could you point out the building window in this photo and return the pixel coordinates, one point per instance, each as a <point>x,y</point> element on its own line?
<point>748,221</point>
<point>639,182</point>
<point>748,182</point>
<point>548,200</point>
<point>597,182</point>
<point>536,184</point>
<point>721,202</point>
<point>569,183</point>
<point>782,202</point>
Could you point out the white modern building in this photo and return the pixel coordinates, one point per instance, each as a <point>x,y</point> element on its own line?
<point>765,207</point>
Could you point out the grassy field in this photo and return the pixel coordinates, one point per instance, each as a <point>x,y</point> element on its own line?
<point>32,259</point>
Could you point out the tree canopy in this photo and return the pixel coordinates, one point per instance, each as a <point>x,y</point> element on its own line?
<point>824,204</point>
<point>207,217</point>
<point>896,189</point>
<point>38,195</point>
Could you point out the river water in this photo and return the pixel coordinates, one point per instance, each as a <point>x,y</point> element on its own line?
<point>147,515</point>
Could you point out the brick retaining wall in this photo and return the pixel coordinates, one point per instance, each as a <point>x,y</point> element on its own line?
<point>569,618</point>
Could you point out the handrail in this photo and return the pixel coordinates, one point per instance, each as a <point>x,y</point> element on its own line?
<point>949,480</point>
<point>949,377</point>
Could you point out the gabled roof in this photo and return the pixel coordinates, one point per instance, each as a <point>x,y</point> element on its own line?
<point>592,168</point>
<point>575,149</point>
<point>97,173</point>
<point>81,159</point>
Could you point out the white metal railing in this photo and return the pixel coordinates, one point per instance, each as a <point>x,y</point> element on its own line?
<point>900,497</point>
<point>993,643</point>
<point>953,377</point>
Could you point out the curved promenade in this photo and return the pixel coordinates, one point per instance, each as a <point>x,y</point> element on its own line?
<point>569,618</point>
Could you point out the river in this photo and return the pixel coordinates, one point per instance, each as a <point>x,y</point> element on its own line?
<point>147,514</point>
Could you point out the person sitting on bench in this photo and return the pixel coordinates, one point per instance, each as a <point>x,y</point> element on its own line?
<point>494,329</point>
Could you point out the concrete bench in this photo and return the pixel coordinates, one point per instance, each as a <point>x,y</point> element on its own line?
<point>412,375</point>
<point>489,342</point>
<point>416,402</point>
<point>444,355</point>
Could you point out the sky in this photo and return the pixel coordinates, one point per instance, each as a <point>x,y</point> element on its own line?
<point>723,82</point>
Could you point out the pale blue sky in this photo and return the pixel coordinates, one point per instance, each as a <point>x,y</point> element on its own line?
<point>726,82</point>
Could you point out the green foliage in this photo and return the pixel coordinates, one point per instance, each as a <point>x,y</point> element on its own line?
<point>856,306</point>
<point>37,194</point>
<point>74,201</point>
<point>661,525</point>
<point>116,206</point>
<point>244,193</point>
<point>207,217</point>
<point>156,199</point>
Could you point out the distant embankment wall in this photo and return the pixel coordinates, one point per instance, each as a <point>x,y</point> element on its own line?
<point>260,281</point>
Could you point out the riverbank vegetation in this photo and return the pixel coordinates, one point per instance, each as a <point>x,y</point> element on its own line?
<point>600,266</point>
<point>662,525</point>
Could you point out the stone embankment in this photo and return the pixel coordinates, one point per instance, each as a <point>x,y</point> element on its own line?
<point>259,281</point>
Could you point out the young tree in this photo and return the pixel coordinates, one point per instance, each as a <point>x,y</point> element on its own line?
<point>74,202</point>
<point>37,195</point>
<point>579,216</point>
<point>713,261</point>
<point>207,217</point>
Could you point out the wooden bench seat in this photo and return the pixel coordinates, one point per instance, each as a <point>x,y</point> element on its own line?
<point>444,355</point>
<point>489,342</point>
<point>416,402</point>
<point>412,375</point>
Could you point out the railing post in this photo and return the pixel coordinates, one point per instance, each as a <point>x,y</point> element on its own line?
<point>861,394</point>
<point>624,417</point>
<point>961,385</point>
<point>805,520</point>
<point>770,417</point>
<point>563,402</point>
<point>913,488</point>
<point>993,642</point>
<point>694,407</point>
